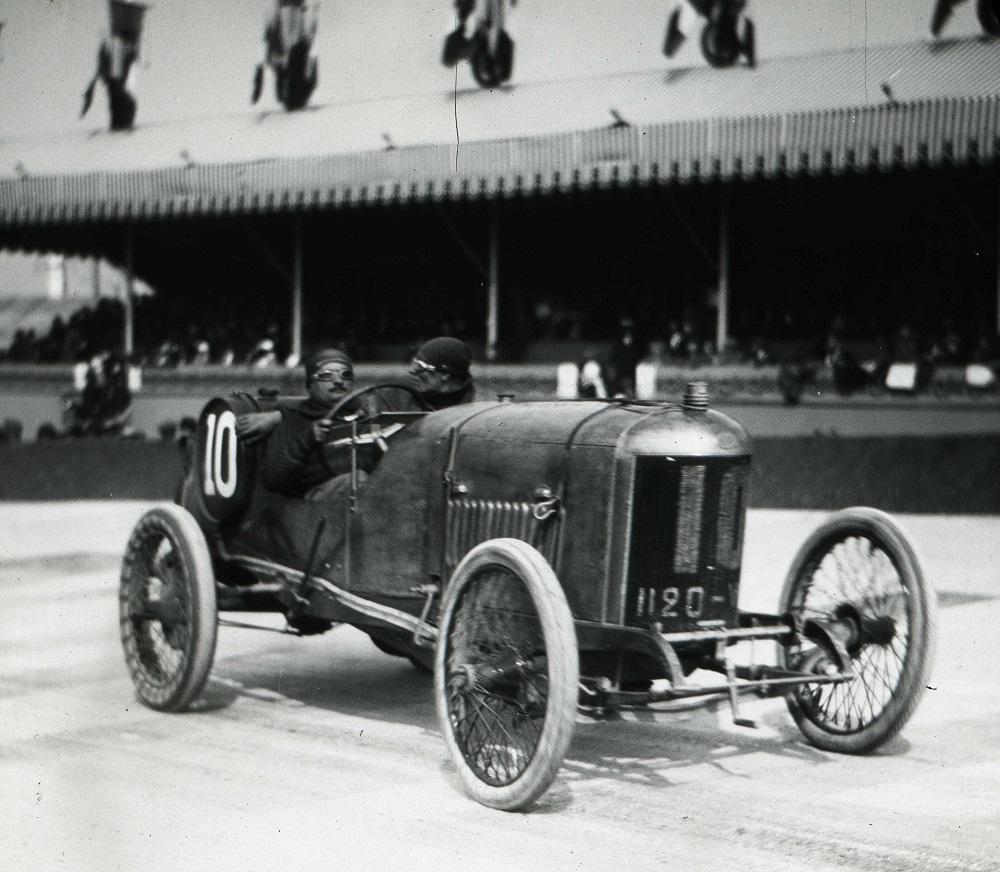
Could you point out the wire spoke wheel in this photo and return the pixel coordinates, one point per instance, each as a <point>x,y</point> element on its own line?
<point>499,682</point>
<point>167,608</point>
<point>859,573</point>
<point>506,673</point>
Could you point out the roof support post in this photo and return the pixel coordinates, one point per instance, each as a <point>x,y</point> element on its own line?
<point>129,340</point>
<point>493,305</point>
<point>297,291</point>
<point>998,262</point>
<point>722,310</point>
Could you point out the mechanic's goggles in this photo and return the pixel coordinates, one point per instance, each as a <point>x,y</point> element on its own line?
<point>419,366</point>
<point>339,374</point>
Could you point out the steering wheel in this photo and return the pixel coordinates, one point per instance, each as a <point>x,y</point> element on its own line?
<point>374,434</point>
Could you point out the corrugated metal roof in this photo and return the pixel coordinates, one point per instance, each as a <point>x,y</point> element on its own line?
<point>796,114</point>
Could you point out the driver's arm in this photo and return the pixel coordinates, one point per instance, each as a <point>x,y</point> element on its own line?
<point>253,427</point>
<point>291,462</point>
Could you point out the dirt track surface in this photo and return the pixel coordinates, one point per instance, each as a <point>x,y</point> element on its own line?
<point>324,753</point>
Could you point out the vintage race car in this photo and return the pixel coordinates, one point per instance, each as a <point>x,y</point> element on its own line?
<point>545,559</point>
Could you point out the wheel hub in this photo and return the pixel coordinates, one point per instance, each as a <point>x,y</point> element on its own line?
<point>879,630</point>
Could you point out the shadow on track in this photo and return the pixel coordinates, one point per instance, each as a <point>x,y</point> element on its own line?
<point>645,747</point>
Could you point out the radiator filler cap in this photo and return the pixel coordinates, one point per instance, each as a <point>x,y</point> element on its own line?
<point>696,396</point>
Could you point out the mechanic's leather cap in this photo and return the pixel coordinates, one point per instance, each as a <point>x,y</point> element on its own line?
<point>446,353</point>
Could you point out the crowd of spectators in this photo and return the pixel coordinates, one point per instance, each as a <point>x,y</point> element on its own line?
<point>87,332</point>
<point>167,336</point>
<point>164,338</point>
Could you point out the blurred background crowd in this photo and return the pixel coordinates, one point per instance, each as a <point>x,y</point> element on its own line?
<point>167,336</point>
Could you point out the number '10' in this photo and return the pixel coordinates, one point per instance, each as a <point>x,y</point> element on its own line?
<point>220,455</point>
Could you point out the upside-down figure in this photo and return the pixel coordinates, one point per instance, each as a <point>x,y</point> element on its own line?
<point>288,38</point>
<point>727,34</point>
<point>987,11</point>
<point>480,38</point>
<point>116,59</point>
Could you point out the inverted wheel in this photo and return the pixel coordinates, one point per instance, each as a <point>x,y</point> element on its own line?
<point>506,673</point>
<point>989,18</point>
<point>167,608</point>
<point>490,69</point>
<point>748,43</point>
<point>858,573</point>
<point>297,83</point>
<point>719,45</point>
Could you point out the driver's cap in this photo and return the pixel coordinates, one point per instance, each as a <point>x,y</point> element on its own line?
<point>318,359</point>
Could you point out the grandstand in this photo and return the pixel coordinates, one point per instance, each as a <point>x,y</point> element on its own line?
<point>760,205</point>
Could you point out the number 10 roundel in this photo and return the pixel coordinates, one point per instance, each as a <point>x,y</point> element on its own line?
<point>224,466</point>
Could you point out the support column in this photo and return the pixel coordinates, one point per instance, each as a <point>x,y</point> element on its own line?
<point>722,311</point>
<point>297,291</point>
<point>998,263</point>
<point>493,306</point>
<point>129,296</point>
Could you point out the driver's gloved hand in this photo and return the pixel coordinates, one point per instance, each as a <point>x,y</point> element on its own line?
<point>320,431</point>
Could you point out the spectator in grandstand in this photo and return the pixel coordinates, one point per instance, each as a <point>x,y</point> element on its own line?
<point>759,352</point>
<point>19,349</point>
<point>441,371</point>
<point>986,350</point>
<point>168,355</point>
<point>263,355</point>
<point>52,345</point>
<point>590,383</point>
<point>948,348</point>
<point>848,375</point>
<point>104,406</point>
<point>793,376</point>
<point>625,355</point>
<point>201,355</point>
<point>906,347</point>
<point>299,460</point>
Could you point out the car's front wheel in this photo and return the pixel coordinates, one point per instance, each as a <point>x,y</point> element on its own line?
<point>167,608</point>
<point>506,673</point>
<point>858,574</point>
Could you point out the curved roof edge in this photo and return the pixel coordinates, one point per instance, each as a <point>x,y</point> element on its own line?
<point>909,136</point>
<point>903,106</point>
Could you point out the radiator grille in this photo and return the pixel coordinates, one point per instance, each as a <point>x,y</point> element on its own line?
<point>686,540</point>
<point>471,521</point>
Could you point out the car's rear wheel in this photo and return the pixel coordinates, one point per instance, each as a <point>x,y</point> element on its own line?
<point>858,573</point>
<point>506,673</point>
<point>167,608</point>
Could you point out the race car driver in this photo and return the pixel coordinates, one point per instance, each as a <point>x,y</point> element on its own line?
<point>298,460</point>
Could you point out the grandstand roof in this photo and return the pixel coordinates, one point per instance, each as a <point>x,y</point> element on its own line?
<point>907,105</point>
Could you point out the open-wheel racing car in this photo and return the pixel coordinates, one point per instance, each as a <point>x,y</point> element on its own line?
<point>545,559</point>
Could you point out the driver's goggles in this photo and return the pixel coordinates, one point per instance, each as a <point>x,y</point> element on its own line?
<point>326,375</point>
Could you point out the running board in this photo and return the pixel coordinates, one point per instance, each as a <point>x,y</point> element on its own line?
<point>424,632</point>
